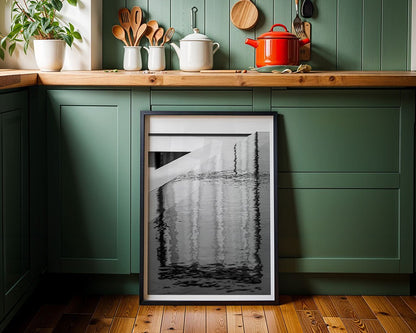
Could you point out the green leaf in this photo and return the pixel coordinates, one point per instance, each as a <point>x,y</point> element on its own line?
<point>45,23</point>
<point>11,48</point>
<point>57,4</point>
<point>3,42</point>
<point>72,2</point>
<point>77,35</point>
<point>68,39</point>
<point>71,27</point>
<point>31,30</point>
<point>1,54</point>
<point>25,47</point>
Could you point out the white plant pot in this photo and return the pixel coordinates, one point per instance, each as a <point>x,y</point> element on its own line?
<point>49,54</point>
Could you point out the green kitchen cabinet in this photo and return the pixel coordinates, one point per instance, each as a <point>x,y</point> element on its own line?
<point>88,139</point>
<point>345,180</point>
<point>15,264</point>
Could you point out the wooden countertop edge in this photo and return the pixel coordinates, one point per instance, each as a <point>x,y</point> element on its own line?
<point>18,79</point>
<point>333,79</point>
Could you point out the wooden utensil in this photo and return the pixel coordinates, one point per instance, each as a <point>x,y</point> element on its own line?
<point>135,20</point>
<point>158,36</point>
<point>244,15</point>
<point>124,18</point>
<point>119,33</point>
<point>152,26</point>
<point>168,35</point>
<point>140,34</point>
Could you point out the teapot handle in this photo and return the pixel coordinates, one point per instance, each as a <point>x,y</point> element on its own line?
<point>216,47</point>
<point>278,25</point>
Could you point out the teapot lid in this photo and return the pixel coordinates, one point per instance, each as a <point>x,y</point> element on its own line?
<point>196,36</point>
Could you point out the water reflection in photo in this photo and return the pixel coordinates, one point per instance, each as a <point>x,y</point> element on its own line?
<point>209,218</point>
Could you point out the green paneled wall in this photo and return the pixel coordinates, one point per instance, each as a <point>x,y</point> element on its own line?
<point>346,34</point>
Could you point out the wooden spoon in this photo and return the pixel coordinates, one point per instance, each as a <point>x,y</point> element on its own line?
<point>158,35</point>
<point>140,34</point>
<point>168,36</point>
<point>244,15</point>
<point>152,26</point>
<point>124,18</point>
<point>119,33</point>
<point>135,20</point>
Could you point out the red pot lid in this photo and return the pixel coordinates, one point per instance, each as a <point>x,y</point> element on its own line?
<point>277,34</point>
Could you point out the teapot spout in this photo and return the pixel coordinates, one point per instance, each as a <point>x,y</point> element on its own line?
<point>252,42</point>
<point>177,49</point>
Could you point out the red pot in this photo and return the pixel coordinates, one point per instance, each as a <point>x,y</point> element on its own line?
<point>277,47</point>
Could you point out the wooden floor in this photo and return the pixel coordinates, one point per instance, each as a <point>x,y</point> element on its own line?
<point>119,314</point>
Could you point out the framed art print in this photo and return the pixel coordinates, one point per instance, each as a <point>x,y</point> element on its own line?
<point>208,207</point>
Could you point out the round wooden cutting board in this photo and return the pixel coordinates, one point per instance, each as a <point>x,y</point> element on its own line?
<point>244,15</point>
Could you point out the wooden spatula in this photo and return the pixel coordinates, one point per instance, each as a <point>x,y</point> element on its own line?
<point>135,20</point>
<point>124,18</point>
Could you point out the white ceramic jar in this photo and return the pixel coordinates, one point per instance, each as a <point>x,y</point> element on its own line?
<point>132,60</point>
<point>196,52</point>
<point>156,60</point>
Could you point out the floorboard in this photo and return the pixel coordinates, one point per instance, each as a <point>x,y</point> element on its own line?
<point>123,314</point>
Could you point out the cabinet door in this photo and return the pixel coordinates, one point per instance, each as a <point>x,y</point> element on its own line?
<point>14,200</point>
<point>345,180</point>
<point>89,181</point>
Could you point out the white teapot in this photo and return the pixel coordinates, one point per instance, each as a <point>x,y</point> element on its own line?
<point>196,52</point>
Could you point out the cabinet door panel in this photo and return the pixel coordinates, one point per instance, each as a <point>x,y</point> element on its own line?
<point>339,139</point>
<point>15,221</point>
<point>90,206</point>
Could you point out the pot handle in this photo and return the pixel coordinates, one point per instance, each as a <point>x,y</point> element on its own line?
<point>216,47</point>
<point>278,25</point>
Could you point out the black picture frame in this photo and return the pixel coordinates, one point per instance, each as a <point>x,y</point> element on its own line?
<point>186,278</point>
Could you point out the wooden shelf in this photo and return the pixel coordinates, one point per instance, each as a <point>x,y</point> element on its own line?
<point>330,79</point>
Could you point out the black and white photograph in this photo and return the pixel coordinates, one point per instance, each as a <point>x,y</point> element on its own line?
<point>209,221</point>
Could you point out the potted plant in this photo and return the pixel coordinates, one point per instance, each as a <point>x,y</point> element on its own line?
<point>40,19</point>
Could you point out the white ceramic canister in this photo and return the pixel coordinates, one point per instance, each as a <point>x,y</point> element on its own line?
<point>132,58</point>
<point>156,60</point>
<point>196,52</point>
<point>49,54</point>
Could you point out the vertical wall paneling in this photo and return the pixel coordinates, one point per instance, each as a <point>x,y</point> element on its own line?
<point>140,102</point>
<point>282,12</point>
<point>354,35</point>
<point>241,55</point>
<point>372,20</point>
<point>394,35</point>
<point>160,11</point>
<point>217,13</point>
<point>181,21</point>
<point>324,35</point>
<point>112,47</point>
<point>266,16</point>
<point>349,34</point>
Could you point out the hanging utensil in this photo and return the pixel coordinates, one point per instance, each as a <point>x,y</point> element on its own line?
<point>297,22</point>
<point>135,20</point>
<point>168,35</point>
<point>119,33</point>
<point>244,15</point>
<point>158,36</point>
<point>152,26</point>
<point>140,33</point>
<point>124,18</point>
<point>307,9</point>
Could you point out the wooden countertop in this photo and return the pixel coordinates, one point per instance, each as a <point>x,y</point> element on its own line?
<point>353,79</point>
